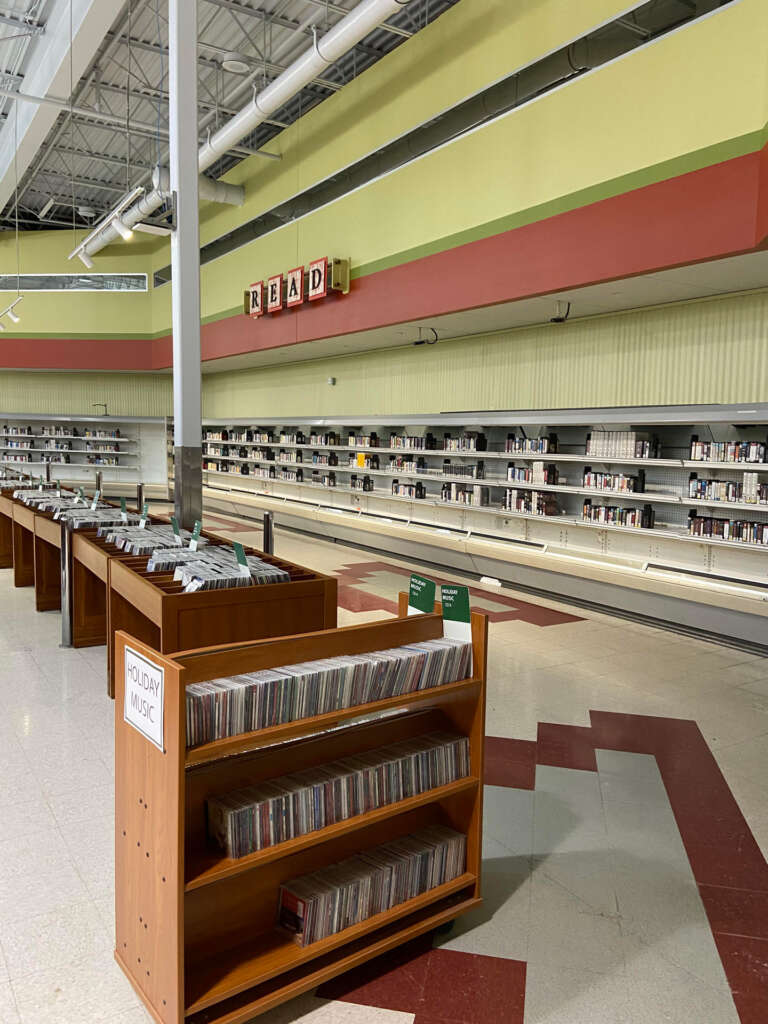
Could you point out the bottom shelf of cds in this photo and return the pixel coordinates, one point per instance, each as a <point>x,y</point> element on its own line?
<point>249,874</point>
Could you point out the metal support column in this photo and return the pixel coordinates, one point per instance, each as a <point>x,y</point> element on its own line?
<point>66,585</point>
<point>139,497</point>
<point>268,541</point>
<point>185,263</point>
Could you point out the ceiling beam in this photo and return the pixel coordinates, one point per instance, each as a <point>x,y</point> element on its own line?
<point>49,73</point>
<point>25,28</point>
<point>256,63</point>
<point>290,24</point>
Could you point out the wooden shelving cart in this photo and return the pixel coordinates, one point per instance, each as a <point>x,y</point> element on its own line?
<point>155,609</point>
<point>195,931</point>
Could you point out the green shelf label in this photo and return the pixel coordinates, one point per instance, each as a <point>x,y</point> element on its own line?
<point>421,595</point>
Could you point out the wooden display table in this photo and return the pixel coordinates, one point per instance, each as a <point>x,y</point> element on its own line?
<point>155,609</point>
<point>195,931</point>
<point>7,487</point>
<point>23,544</point>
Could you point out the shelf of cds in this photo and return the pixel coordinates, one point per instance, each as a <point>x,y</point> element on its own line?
<point>309,803</point>
<point>683,488</point>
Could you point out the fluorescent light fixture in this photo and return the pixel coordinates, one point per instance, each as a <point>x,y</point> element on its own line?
<point>153,229</point>
<point>122,229</point>
<point>2,327</point>
<point>13,316</point>
<point>86,259</point>
<point>46,209</point>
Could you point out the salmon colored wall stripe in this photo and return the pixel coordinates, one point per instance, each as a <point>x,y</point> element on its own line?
<point>707,214</point>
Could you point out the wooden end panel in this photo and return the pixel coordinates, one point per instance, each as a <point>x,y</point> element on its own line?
<point>92,556</point>
<point>49,529</point>
<point>89,607</point>
<point>6,506</point>
<point>24,516</point>
<point>47,559</point>
<point>23,556</point>
<point>136,590</point>
<point>149,869</point>
<point>6,541</point>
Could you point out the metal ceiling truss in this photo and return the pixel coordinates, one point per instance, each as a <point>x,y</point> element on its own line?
<point>114,127</point>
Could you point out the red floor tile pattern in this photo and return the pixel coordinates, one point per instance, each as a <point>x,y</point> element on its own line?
<point>351,576</point>
<point>510,763</point>
<point>729,868</point>
<point>448,987</point>
<point>439,986</point>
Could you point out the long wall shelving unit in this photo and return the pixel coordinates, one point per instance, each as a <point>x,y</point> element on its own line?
<point>610,498</point>
<point>126,450</point>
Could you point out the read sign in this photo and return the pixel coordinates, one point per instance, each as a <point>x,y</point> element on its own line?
<point>144,696</point>
<point>297,286</point>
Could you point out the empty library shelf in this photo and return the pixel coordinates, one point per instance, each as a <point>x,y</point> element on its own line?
<point>197,931</point>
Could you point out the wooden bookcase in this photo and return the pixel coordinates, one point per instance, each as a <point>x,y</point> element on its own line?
<point>155,609</point>
<point>195,931</point>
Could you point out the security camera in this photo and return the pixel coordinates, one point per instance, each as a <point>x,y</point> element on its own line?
<point>562,312</point>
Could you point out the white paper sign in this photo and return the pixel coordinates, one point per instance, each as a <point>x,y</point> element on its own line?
<point>144,696</point>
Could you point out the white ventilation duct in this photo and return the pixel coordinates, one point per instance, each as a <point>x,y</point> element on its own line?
<point>360,21</point>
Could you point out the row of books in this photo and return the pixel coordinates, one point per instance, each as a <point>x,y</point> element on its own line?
<point>536,445</point>
<point>465,495</point>
<point>534,473</point>
<point>727,451</point>
<point>538,503</point>
<point>614,481</point>
<point>749,490</point>
<point>622,444</point>
<point>258,700</point>
<point>727,529</point>
<point>328,901</point>
<point>272,812</point>
<point>469,441</point>
<point>619,515</point>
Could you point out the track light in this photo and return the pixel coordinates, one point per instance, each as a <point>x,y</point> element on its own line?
<point>2,327</point>
<point>13,316</point>
<point>86,259</point>
<point>122,229</point>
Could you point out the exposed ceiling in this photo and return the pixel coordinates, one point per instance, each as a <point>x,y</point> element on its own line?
<point>112,126</point>
<point>719,277</point>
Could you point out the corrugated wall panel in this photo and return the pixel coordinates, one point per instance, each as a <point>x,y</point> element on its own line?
<point>126,394</point>
<point>706,351</point>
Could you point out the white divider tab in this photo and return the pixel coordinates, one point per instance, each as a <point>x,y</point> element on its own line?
<point>144,696</point>
<point>421,595</point>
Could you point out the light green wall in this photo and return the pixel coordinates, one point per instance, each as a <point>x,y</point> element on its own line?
<point>708,351</point>
<point>126,394</point>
